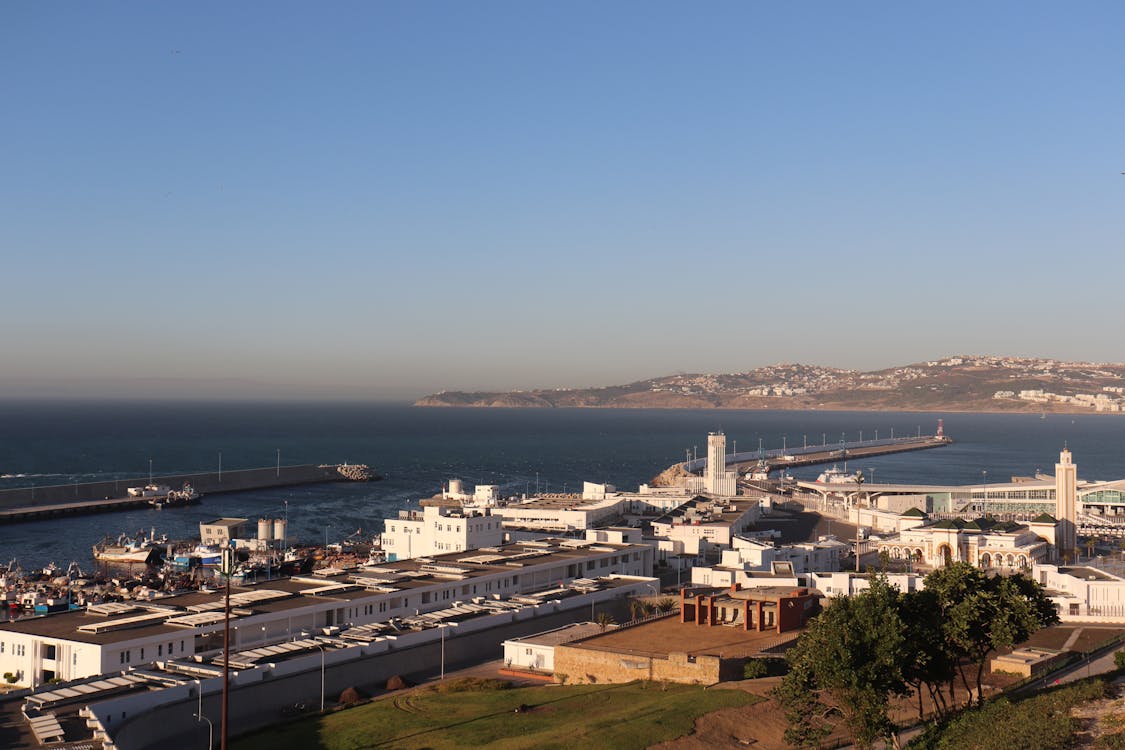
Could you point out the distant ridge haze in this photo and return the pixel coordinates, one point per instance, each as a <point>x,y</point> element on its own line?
<point>957,383</point>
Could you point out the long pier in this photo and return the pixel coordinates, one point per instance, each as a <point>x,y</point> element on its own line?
<point>819,454</point>
<point>31,503</point>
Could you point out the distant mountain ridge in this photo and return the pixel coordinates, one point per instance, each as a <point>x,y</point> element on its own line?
<point>959,383</point>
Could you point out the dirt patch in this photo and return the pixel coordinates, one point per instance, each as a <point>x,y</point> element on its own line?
<point>1101,717</point>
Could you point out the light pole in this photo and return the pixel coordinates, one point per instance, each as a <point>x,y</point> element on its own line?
<point>279,462</point>
<point>220,467</point>
<point>319,646</point>
<point>442,627</point>
<point>210,729</point>
<point>984,481</point>
<point>872,470</point>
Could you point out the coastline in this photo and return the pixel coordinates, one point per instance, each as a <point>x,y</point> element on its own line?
<point>953,409</point>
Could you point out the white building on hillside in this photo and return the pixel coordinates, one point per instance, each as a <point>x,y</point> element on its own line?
<point>706,524</point>
<point>438,529</point>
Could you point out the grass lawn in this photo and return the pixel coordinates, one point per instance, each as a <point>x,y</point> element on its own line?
<point>633,715</point>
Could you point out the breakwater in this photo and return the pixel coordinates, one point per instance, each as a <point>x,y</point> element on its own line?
<point>24,503</point>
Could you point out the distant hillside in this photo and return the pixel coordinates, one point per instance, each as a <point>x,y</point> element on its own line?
<point>963,383</point>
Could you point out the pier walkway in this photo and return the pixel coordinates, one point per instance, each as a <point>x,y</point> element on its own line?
<point>811,455</point>
<point>28,503</point>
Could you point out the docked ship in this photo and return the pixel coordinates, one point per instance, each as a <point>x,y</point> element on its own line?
<point>836,475</point>
<point>129,550</point>
<point>175,498</point>
<point>205,555</point>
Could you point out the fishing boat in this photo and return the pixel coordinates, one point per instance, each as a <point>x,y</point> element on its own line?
<point>202,555</point>
<point>175,498</point>
<point>129,550</point>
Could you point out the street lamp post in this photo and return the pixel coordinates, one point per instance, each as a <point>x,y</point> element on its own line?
<point>319,646</point>
<point>442,627</point>
<point>984,481</point>
<point>872,470</point>
<point>210,729</point>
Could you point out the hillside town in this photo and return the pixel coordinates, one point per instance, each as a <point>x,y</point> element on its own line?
<point>966,382</point>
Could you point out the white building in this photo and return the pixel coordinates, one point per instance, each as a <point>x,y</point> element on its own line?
<point>560,513</point>
<point>537,652</point>
<point>112,637</point>
<point>1083,594</point>
<point>483,495</point>
<point>844,583</point>
<point>716,479</point>
<point>707,524</point>
<point>438,529</point>
<point>983,543</point>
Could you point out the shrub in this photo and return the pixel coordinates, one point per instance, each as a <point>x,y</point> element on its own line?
<point>753,669</point>
<point>1119,659</point>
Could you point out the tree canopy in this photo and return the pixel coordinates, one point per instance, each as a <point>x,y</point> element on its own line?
<point>866,649</point>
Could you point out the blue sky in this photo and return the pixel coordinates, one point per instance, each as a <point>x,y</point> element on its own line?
<point>388,199</point>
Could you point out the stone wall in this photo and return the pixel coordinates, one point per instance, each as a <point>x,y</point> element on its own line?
<point>586,665</point>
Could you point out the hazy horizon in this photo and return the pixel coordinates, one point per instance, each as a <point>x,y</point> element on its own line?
<point>383,201</point>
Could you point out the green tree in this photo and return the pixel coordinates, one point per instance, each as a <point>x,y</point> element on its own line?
<point>853,652</point>
<point>604,620</point>
<point>929,663</point>
<point>982,613</point>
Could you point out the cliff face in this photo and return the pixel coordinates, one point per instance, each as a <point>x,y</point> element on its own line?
<point>965,383</point>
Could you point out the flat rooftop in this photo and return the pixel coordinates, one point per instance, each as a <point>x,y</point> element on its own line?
<point>667,635</point>
<point>107,624</point>
<point>565,634</point>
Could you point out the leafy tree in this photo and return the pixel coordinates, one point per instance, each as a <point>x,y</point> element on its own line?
<point>854,652</point>
<point>929,661</point>
<point>980,614</point>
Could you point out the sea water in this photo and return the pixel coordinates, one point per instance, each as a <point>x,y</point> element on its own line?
<point>417,449</point>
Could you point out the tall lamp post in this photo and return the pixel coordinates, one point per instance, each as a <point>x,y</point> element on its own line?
<point>321,647</point>
<point>984,482</point>
<point>200,717</point>
<point>226,569</point>
<point>442,627</point>
<point>210,729</point>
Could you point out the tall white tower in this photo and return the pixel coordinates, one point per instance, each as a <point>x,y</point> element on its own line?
<point>717,480</point>
<point>1066,504</point>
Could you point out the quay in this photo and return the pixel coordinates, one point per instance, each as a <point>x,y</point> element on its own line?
<point>31,503</point>
<point>812,455</point>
